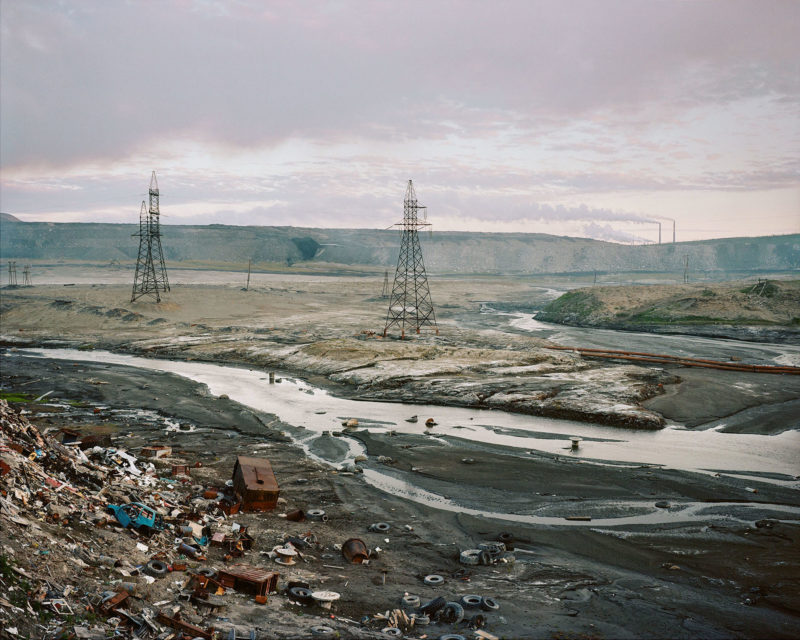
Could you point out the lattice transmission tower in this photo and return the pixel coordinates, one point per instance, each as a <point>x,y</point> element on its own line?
<point>410,302</point>
<point>151,273</point>
<point>385,291</point>
<point>26,276</point>
<point>12,274</point>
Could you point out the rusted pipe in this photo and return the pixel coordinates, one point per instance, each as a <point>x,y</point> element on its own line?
<point>638,356</point>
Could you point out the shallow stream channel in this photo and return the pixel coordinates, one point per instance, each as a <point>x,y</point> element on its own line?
<point>315,413</point>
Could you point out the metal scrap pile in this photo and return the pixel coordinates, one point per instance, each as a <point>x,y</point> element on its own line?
<point>93,540</point>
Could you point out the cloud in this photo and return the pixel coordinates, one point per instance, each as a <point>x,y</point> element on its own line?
<point>100,80</point>
<point>503,112</point>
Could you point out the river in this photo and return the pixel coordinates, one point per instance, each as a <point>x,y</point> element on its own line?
<point>298,403</point>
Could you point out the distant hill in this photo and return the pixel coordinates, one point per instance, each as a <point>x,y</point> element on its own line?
<point>7,217</point>
<point>444,251</point>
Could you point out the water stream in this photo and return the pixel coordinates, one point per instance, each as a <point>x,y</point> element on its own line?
<point>297,403</point>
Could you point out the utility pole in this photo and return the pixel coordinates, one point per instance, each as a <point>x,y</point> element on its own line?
<point>410,301</point>
<point>151,272</point>
<point>247,286</point>
<point>685,268</point>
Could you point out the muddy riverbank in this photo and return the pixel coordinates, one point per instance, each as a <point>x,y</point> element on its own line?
<point>681,578</point>
<point>330,330</point>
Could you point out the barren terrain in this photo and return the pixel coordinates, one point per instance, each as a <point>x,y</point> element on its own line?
<point>700,566</point>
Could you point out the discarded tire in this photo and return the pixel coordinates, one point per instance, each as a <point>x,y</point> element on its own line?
<point>156,568</point>
<point>380,527</point>
<point>471,601</point>
<point>470,556</point>
<point>431,607</point>
<point>208,572</point>
<point>301,595</point>
<point>410,601</point>
<point>485,557</point>
<point>505,537</point>
<point>433,580</point>
<point>452,636</point>
<point>420,620</point>
<point>451,613</point>
<point>392,632</point>
<point>489,604</point>
<point>316,514</point>
<point>495,548</point>
<point>323,631</point>
<point>297,583</point>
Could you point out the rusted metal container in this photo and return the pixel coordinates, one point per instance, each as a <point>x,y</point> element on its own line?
<point>248,579</point>
<point>355,551</point>
<point>255,482</point>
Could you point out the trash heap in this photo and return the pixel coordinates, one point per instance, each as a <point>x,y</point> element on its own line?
<point>93,539</point>
<point>96,542</point>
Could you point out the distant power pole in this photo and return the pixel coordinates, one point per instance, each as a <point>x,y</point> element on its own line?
<point>410,301</point>
<point>673,232</point>
<point>247,286</point>
<point>26,276</point>
<point>151,273</point>
<point>385,291</point>
<point>659,232</point>
<point>12,274</point>
<point>685,268</point>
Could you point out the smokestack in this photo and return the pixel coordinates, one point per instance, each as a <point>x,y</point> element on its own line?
<point>673,232</point>
<point>659,233</point>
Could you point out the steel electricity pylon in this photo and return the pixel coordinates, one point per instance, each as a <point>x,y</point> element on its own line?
<point>410,304</point>
<point>151,273</point>
<point>385,291</point>
<point>12,273</point>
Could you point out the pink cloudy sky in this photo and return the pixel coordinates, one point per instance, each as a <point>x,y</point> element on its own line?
<point>568,117</point>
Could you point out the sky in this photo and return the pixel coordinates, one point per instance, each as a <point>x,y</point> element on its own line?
<point>569,117</point>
